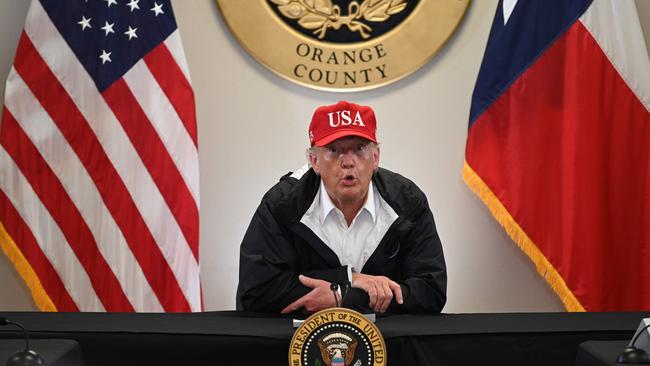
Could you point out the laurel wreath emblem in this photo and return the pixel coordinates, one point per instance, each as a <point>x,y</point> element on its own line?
<point>321,15</point>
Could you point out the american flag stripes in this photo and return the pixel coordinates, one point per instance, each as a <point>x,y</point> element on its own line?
<point>99,185</point>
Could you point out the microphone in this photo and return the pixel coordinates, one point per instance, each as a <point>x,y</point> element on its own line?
<point>632,354</point>
<point>26,357</point>
<point>334,287</point>
<point>345,287</point>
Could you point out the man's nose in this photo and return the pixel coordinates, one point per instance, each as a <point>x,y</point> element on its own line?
<point>347,158</point>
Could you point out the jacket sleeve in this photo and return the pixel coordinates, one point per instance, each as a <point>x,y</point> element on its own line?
<point>420,271</point>
<point>269,266</point>
<point>424,281</point>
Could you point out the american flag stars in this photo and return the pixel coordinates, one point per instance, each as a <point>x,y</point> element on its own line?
<point>84,22</point>
<point>133,4</point>
<point>115,20</point>
<point>105,56</point>
<point>131,33</point>
<point>108,28</point>
<point>157,9</point>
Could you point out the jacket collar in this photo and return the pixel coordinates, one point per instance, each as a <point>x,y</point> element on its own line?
<point>297,195</point>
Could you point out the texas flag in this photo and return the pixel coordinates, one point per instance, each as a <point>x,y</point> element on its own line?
<point>558,145</point>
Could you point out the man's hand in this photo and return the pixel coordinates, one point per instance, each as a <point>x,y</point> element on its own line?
<point>380,289</point>
<point>319,298</point>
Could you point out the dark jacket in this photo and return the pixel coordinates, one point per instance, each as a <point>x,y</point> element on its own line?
<point>277,248</point>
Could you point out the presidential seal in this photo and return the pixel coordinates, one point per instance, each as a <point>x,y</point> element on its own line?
<point>337,337</point>
<point>343,45</point>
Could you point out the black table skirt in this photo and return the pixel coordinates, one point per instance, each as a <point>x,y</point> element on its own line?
<point>214,338</point>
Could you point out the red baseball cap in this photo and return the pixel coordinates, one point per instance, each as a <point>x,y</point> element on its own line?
<point>331,122</point>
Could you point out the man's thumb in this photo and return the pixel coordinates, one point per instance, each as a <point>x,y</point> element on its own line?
<point>307,281</point>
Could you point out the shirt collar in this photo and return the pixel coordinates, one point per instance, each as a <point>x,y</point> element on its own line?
<point>327,205</point>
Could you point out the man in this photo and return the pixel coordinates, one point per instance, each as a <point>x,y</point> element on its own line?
<point>342,221</point>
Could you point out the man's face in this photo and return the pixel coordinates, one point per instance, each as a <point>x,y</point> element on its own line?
<point>346,166</point>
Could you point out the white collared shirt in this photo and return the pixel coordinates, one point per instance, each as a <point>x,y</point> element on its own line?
<point>352,244</point>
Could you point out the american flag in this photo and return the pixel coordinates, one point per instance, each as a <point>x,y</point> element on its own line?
<point>99,179</point>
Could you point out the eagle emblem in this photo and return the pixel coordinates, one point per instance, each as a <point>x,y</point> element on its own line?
<point>320,15</point>
<point>337,349</point>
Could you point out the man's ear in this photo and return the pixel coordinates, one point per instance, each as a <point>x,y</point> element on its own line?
<point>313,159</point>
<point>375,158</point>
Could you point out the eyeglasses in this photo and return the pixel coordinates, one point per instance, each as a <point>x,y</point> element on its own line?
<point>361,151</point>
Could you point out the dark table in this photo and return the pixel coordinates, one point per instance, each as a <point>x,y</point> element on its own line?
<point>256,339</point>
<point>56,352</point>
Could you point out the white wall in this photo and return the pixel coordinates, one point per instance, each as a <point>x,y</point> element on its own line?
<point>252,130</point>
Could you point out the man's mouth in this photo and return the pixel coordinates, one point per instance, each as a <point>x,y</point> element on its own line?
<point>349,180</point>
